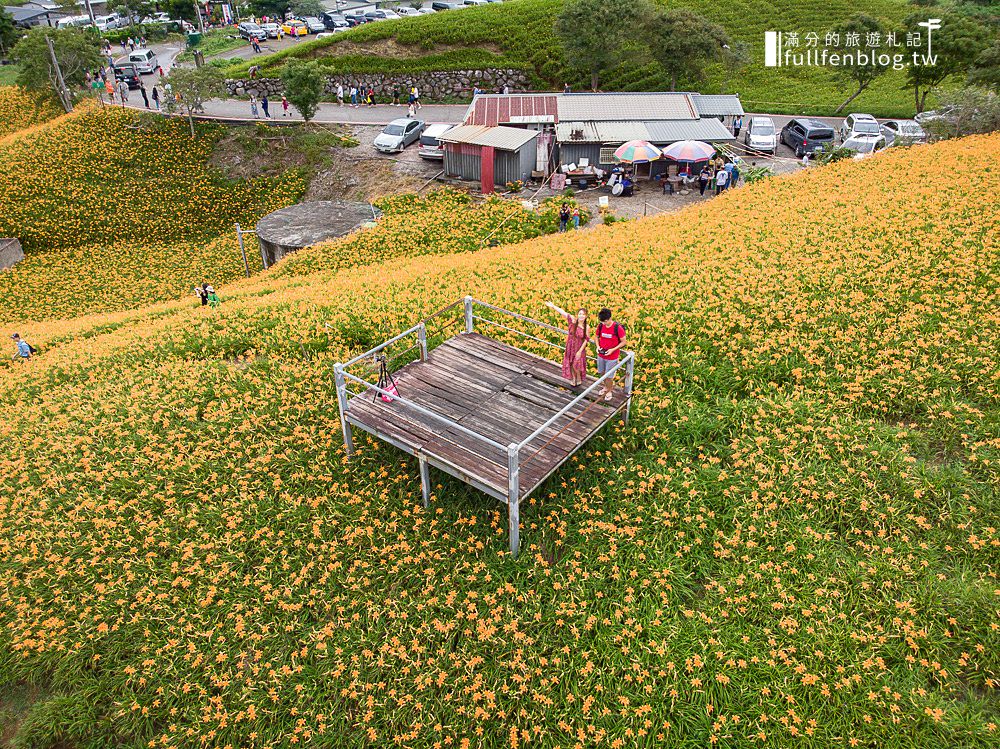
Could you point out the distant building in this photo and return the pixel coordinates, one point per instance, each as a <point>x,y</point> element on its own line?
<point>490,155</point>
<point>589,126</point>
<point>29,16</point>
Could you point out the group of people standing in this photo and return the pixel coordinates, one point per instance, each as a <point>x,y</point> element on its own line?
<point>567,214</point>
<point>206,293</point>
<point>715,175</point>
<point>359,96</point>
<point>264,105</point>
<point>609,338</point>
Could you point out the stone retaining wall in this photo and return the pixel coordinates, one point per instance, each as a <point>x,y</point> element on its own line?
<point>446,84</point>
<point>10,252</point>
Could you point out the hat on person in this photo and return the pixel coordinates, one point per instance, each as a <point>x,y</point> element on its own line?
<point>15,336</point>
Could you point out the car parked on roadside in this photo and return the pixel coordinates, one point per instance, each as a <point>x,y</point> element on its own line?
<point>294,27</point>
<point>250,30</point>
<point>426,11</point>
<point>805,135</point>
<point>406,10</point>
<point>865,144</point>
<point>398,134</point>
<point>335,21</point>
<point>126,71</point>
<point>446,6</point>
<point>314,25</point>
<point>903,132</point>
<point>382,14</point>
<point>356,18</point>
<point>761,135</point>
<point>477,2</point>
<point>271,29</point>
<point>431,147</point>
<point>858,124</point>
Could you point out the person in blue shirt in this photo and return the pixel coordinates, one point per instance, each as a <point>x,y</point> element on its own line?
<point>24,349</point>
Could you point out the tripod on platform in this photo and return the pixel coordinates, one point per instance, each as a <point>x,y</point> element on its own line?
<point>385,381</point>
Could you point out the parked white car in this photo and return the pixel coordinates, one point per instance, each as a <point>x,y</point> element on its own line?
<point>865,145</point>
<point>406,10</point>
<point>858,124</point>
<point>761,135</point>
<point>271,29</point>
<point>903,131</point>
<point>431,147</point>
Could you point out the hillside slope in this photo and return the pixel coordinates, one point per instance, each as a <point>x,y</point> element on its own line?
<point>520,33</point>
<point>794,541</point>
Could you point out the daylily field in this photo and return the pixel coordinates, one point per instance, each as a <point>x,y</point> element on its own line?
<point>794,543</point>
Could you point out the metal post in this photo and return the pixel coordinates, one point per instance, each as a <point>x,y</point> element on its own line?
<point>243,249</point>
<point>422,340</point>
<point>629,370</point>
<point>513,499</point>
<point>425,480</point>
<point>468,314</point>
<point>263,255</point>
<point>338,371</point>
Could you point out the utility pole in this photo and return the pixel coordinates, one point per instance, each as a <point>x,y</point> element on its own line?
<point>64,95</point>
<point>201,21</point>
<point>90,12</point>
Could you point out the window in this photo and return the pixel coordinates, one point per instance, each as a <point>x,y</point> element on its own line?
<point>608,155</point>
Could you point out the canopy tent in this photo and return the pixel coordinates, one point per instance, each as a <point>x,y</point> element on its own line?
<point>689,150</point>
<point>637,152</point>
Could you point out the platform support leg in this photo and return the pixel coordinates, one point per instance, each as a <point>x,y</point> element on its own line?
<point>513,499</point>
<point>338,371</point>
<point>425,480</point>
<point>629,372</point>
<point>468,314</point>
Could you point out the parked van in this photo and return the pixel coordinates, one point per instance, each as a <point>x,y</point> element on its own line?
<point>108,22</point>
<point>430,142</point>
<point>144,60</point>
<point>73,21</point>
<point>760,135</point>
<point>804,135</point>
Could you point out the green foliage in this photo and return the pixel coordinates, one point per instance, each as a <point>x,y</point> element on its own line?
<point>684,42</point>
<point>303,86</point>
<point>597,35</point>
<point>521,34</point>
<point>194,86</point>
<point>956,45</point>
<point>986,70</point>
<point>860,74</point>
<point>9,33</point>
<point>965,112</point>
<point>756,174</point>
<point>831,153</point>
<point>75,49</point>
<point>305,8</point>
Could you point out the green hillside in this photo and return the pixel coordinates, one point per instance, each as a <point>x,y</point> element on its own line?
<point>519,33</point>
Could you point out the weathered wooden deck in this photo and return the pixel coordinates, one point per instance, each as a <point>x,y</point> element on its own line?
<point>496,390</point>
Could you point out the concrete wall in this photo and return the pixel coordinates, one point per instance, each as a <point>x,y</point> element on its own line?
<point>10,253</point>
<point>434,86</point>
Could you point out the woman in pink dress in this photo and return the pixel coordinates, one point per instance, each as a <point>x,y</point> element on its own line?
<point>574,364</point>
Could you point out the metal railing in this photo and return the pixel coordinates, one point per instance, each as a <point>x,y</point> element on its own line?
<point>512,450</point>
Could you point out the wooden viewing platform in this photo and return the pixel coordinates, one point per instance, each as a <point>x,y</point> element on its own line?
<point>495,416</point>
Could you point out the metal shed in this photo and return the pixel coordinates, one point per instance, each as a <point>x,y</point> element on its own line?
<point>492,155</point>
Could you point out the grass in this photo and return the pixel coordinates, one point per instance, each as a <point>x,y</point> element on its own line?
<point>215,42</point>
<point>8,75</point>
<point>793,543</point>
<point>520,34</point>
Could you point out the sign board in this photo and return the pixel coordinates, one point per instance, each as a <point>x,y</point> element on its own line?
<point>558,181</point>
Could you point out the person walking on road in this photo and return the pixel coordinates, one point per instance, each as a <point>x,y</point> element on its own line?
<point>395,95</point>
<point>265,104</point>
<point>156,98</point>
<point>354,96</point>
<point>411,110</point>
<point>123,91</point>
<point>340,94</point>
<point>145,96</point>
<point>253,107</point>
<point>284,106</point>
<point>416,97</point>
<point>737,125</point>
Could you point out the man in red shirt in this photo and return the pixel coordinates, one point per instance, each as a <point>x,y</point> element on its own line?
<point>610,339</point>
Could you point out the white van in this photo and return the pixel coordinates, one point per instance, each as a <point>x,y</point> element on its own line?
<point>73,21</point>
<point>108,22</point>
<point>144,60</point>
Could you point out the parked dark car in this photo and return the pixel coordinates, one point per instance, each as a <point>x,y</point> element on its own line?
<point>334,21</point>
<point>446,6</point>
<point>355,18</point>
<point>804,135</point>
<point>125,71</point>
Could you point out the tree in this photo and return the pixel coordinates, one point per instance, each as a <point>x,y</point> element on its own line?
<point>863,72</point>
<point>270,8</point>
<point>737,58</point>
<point>182,9</point>
<point>986,70</point>
<point>956,45</point>
<point>194,86</point>
<point>964,112</point>
<point>76,51</point>
<point>684,42</point>
<point>8,33</point>
<point>306,8</point>
<point>133,10</point>
<point>596,34</point>
<point>303,86</point>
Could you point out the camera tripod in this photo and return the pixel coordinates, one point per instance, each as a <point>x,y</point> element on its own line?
<point>385,380</point>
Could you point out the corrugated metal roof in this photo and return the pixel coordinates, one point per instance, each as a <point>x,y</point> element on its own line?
<point>639,106</point>
<point>601,132</point>
<point>717,105</point>
<point>497,109</point>
<point>667,131</point>
<point>504,138</point>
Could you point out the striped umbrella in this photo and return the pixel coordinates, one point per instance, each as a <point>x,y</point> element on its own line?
<point>689,150</point>
<point>637,152</point>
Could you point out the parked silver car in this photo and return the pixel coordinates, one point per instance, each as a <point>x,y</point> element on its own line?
<point>904,131</point>
<point>398,134</point>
